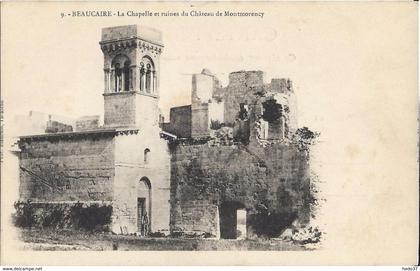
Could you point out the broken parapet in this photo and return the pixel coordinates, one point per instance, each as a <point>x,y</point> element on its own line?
<point>87,123</point>
<point>281,90</point>
<point>281,85</point>
<point>246,78</point>
<point>203,86</point>
<point>57,127</point>
<point>180,121</point>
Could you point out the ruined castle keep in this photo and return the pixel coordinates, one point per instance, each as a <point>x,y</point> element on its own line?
<point>225,166</point>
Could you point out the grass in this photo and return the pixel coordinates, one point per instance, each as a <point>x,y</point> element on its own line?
<point>50,239</point>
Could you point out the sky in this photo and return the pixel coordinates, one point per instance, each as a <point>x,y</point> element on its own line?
<point>57,63</point>
<point>353,67</point>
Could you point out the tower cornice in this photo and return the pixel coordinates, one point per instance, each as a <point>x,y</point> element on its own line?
<point>134,42</point>
<point>127,93</point>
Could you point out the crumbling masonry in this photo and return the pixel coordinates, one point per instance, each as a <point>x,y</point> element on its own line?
<point>228,165</point>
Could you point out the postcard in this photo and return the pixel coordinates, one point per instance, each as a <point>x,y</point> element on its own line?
<point>209,133</point>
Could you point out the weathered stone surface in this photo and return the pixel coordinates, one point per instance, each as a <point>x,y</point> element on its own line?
<point>57,127</point>
<point>233,151</point>
<point>120,109</point>
<point>275,178</point>
<point>213,105</point>
<point>87,123</point>
<point>131,169</point>
<point>67,169</point>
<point>93,167</point>
<point>130,31</point>
<point>180,121</point>
<point>200,120</point>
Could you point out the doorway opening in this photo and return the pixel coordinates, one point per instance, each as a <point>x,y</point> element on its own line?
<point>232,221</point>
<point>144,206</point>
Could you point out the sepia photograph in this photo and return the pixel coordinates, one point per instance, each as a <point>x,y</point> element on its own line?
<point>216,130</point>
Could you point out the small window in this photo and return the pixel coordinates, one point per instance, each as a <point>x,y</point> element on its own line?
<point>146,156</point>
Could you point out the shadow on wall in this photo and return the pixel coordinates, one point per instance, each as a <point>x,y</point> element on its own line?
<point>238,223</point>
<point>270,224</point>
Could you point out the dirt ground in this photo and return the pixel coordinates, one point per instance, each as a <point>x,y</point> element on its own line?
<point>71,240</point>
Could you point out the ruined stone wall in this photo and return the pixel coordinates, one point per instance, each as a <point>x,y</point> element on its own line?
<point>200,120</point>
<point>241,89</point>
<point>202,88</point>
<point>87,123</point>
<point>274,180</point>
<point>216,111</point>
<point>67,169</point>
<point>286,97</point>
<point>57,127</point>
<point>180,121</point>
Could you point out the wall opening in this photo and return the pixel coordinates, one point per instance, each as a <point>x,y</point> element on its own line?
<point>232,220</point>
<point>146,156</point>
<point>144,206</point>
<point>273,118</point>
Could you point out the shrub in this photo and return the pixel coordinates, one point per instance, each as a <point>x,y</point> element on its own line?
<point>304,138</point>
<point>23,216</point>
<point>156,234</point>
<point>91,218</point>
<point>182,234</point>
<point>306,235</point>
<point>215,125</point>
<point>77,216</point>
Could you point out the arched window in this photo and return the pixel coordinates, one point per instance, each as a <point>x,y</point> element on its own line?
<point>120,73</point>
<point>147,75</point>
<point>146,156</point>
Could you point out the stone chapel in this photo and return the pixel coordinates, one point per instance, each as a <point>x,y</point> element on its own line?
<point>225,166</point>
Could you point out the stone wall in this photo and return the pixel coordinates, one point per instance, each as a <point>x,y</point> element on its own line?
<point>133,173</point>
<point>147,111</point>
<point>120,109</point>
<point>202,88</point>
<point>241,89</point>
<point>129,31</point>
<point>180,121</point>
<point>57,127</point>
<point>272,184</point>
<point>200,120</point>
<point>216,111</point>
<point>57,168</point>
<point>87,123</point>
<point>129,108</point>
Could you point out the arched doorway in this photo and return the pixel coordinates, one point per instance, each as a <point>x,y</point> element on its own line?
<point>232,220</point>
<point>144,206</point>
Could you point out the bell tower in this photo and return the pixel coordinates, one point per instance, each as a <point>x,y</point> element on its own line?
<point>131,76</point>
